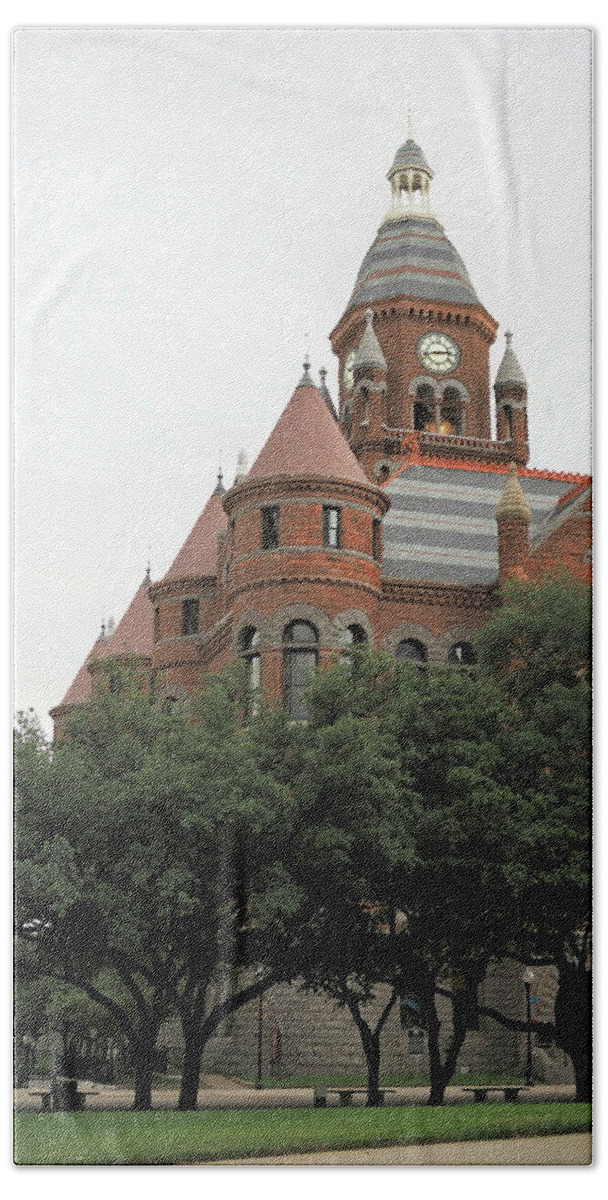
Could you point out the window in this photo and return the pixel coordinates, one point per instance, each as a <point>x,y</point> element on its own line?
<point>249,642</point>
<point>376,539</point>
<point>508,411</point>
<point>332,527</point>
<point>190,616</point>
<point>451,414</point>
<point>353,635</point>
<point>423,416</point>
<point>299,666</point>
<point>462,654</point>
<point>270,527</point>
<point>413,651</point>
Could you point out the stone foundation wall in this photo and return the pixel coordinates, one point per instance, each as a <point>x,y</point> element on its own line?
<point>319,1036</point>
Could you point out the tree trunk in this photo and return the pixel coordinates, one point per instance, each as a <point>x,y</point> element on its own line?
<point>438,1081</point>
<point>441,1071</point>
<point>371,1046</point>
<point>573,1022</point>
<point>143,1063</point>
<point>194,1044</point>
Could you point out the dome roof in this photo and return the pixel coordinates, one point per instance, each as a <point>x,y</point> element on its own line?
<point>410,155</point>
<point>412,257</point>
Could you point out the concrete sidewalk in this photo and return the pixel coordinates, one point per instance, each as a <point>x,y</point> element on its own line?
<point>227,1094</point>
<point>563,1150</point>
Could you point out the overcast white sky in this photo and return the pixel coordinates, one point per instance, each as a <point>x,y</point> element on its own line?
<point>190,203</point>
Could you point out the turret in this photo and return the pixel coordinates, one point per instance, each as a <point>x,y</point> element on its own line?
<point>513,515</point>
<point>511,391</point>
<point>368,397</point>
<point>434,332</point>
<point>305,534</point>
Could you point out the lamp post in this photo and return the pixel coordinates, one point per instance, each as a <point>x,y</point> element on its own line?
<point>527,978</point>
<point>258,1079</point>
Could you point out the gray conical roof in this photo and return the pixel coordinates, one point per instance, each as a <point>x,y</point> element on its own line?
<point>510,369</point>
<point>369,351</point>
<point>410,155</point>
<point>412,257</point>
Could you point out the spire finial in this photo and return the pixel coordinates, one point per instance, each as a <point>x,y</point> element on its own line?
<point>306,380</point>
<point>241,466</point>
<point>103,629</point>
<point>410,119</point>
<point>147,579</point>
<point>219,489</point>
<point>508,337</point>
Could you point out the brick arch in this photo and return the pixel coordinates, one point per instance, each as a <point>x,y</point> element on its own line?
<point>259,621</point>
<point>302,612</point>
<point>426,381</point>
<point>418,632</point>
<point>456,386</point>
<point>353,616</point>
<point>459,633</point>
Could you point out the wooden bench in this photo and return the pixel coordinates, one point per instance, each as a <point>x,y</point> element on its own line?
<point>47,1094</point>
<point>345,1094</point>
<point>510,1091</point>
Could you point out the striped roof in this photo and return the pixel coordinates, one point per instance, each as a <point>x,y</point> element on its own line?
<point>412,257</point>
<point>410,155</point>
<point>441,524</point>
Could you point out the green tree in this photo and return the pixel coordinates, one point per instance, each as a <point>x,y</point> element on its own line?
<point>403,843</point>
<point>537,647</point>
<point>126,851</point>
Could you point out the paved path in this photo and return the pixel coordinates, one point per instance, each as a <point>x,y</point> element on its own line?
<point>565,1150</point>
<point>229,1093</point>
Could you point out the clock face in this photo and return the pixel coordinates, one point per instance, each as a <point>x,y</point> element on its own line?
<point>349,372</point>
<point>438,352</point>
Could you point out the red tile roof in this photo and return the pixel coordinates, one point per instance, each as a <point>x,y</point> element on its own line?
<point>134,634</point>
<point>80,688</point>
<point>198,555</point>
<point>306,440</point>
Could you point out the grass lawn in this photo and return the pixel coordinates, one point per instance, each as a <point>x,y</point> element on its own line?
<point>117,1138</point>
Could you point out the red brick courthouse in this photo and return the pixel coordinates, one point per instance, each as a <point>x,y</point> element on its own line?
<point>390,521</point>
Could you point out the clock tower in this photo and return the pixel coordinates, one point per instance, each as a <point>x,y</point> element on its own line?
<point>432,331</point>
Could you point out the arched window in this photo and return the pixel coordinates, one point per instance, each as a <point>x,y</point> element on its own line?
<point>249,643</point>
<point>462,654</point>
<point>353,635</point>
<point>413,651</point>
<point>423,408</point>
<point>299,666</point>
<point>451,412</point>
